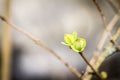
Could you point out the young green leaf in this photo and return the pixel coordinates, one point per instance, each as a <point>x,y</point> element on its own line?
<point>70,39</point>
<point>77,44</point>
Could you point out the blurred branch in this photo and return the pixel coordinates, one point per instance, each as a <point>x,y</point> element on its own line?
<point>105,24</point>
<point>38,42</point>
<point>101,13</point>
<point>101,42</point>
<point>107,32</point>
<point>109,46</point>
<point>115,4</point>
<point>112,5</point>
<point>105,53</point>
<point>6,46</point>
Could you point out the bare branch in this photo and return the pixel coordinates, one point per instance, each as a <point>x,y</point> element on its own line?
<point>101,42</point>
<point>93,69</point>
<point>101,13</point>
<point>105,24</point>
<point>104,54</point>
<point>38,42</point>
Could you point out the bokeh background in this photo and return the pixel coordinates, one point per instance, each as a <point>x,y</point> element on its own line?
<point>49,20</point>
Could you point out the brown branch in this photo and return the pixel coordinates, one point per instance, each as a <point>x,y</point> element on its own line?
<point>38,42</point>
<point>105,24</point>
<point>101,13</point>
<point>101,42</point>
<point>87,62</point>
<point>111,2</point>
<point>104,54</point>
<point>107,32</point>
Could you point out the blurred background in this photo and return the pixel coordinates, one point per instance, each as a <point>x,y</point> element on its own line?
<point>49,20</point>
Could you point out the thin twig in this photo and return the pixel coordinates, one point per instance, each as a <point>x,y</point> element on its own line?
<point>87,62</point>
<point>38,42</point>
<point>105,24</point>
<point>113,6</point>
<point>101,42</point>
<point>104,54</point>
<point>108,32</point>
<point>101,13</point>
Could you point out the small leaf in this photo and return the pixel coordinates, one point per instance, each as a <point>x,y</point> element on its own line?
<point>70,38</point>
<point>75,35</point>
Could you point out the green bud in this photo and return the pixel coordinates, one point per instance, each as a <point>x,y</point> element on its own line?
<point>79,45</point>
<point>104,75</point>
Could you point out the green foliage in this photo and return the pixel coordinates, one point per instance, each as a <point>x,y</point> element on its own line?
<point>75,43</point>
